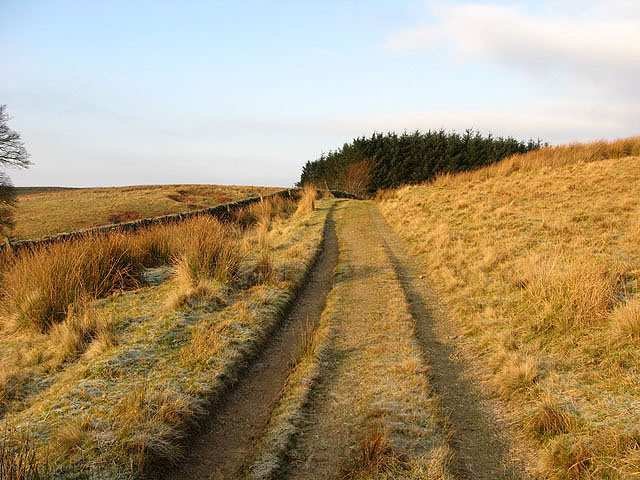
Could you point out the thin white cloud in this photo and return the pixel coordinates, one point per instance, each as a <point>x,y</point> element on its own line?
<point>597,48</point>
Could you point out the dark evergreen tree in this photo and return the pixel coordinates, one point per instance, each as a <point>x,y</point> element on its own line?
<point>392,160</point>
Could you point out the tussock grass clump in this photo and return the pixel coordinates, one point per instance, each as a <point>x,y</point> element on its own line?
<point>262,268</point>
<point>567,458</point>
<point>570,292</point>
<point>307,202</point>
<point>12,379</point>
<point>264,211</point>
<point>73,436</point>
<point>625,320</point>
<point>517,375</point>
<point>149,423</point>
<point>209,259</point>
<point>549,418</point>
<point>156,245</point>
<point>375,458</point>
<point>40,285</point>
<point>83,327</point>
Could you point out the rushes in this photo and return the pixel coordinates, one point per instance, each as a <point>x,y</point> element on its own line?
<point>209,260</point>
<point>39,286</point>
<point>549,418</point>
<point>18,461</point>
<point>208,252</point>
<point>149,422</point>
<point>570,292</point>
<point>307,201</point>
<point>83,327</point>
<point>517,375</point>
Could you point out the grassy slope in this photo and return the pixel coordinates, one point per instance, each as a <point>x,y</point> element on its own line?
<point>126,402</point>
<point>43,212</point>
<point>538,266</point>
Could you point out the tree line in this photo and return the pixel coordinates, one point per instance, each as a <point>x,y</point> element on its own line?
<point>389,160</point>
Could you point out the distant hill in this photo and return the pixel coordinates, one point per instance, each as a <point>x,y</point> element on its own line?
<point>48,210</point>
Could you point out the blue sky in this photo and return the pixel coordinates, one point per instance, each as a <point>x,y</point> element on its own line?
<point>120,92</point>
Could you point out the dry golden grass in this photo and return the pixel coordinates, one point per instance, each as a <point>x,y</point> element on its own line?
<point>38,287</point>
<point>45,212</point>
<point>209,259</point>
<point>557,156</point>
<point>625,321</point>
<point>114,385</point>
<point>84,326</point>
<point>264,212</point>
<point>549,418</point>
<point>536,263</point>
<point>18,459</point>
<point>307,200</point>
<point>516,376</point>
<point>376,392</point>
<point>287,416</point>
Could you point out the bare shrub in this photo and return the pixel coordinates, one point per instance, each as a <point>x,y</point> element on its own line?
<point>357,177</point>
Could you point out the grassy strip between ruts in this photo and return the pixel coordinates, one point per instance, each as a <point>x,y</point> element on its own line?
<point>372,414</point>
<point>287,416</point>
<point>126,404</point>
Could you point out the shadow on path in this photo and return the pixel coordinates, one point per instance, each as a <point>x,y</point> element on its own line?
<point>480,452</point>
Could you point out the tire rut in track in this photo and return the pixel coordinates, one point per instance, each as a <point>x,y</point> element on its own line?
<point>238,420</point>
<point>373,387</point>
<point>480,451</point>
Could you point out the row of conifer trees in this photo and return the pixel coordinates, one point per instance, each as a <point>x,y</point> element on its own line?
<point>389,160</point>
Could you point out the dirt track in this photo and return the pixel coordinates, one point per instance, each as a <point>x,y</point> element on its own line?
<point>392,370</point>
<point>236,423</point>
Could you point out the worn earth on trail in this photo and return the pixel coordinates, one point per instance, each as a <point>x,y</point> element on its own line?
<point>387,397</point>
<point>230,435</point>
